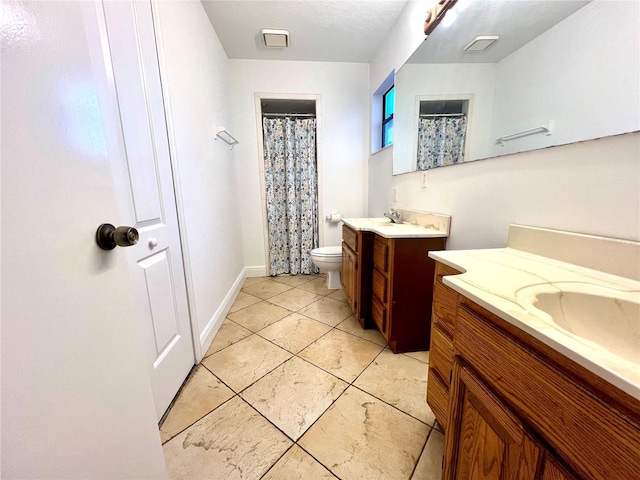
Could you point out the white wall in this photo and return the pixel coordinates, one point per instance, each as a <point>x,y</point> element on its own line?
<point>76,396</point>
<point>380,182</point>
<point>403,39</point>
<point>589,187</point>
<point>583,73</point>
<point>344,148</point>
<point>476,79</point>
<point>196,81</point>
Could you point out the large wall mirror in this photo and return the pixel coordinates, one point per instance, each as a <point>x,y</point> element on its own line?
<point>560,72</point>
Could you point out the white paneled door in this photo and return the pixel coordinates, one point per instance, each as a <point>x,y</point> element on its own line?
<point>166,325</point>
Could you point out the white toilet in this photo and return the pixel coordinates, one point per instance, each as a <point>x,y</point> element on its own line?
<point>329,261</point>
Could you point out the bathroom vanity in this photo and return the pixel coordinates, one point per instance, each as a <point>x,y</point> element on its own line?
<point>357,265</point>
<point>535,358</point>
<point>387,276</point>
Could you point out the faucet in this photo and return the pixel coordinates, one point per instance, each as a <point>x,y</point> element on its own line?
<point>393,215</point>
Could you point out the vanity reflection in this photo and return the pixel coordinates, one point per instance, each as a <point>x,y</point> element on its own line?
<point>561,72</point>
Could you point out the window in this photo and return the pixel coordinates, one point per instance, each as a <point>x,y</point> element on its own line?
<point>388,101</point>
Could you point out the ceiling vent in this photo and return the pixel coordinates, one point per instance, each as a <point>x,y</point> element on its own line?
<point>275,38</point>
<point>481,43</point>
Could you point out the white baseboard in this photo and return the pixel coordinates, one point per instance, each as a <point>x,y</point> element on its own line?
<point>209,332</point>
<point>256,271</point>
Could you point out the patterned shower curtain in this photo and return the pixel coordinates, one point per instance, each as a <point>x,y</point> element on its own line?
<point>441,141</point>
<point>291,178</point>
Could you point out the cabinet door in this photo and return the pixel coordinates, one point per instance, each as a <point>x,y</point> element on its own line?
<point>349,273</point>
<point>484,440</point>
<point>554,471</point>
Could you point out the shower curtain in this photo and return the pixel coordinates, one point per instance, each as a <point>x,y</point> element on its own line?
<point>291,179</point>
<point>441,141</point>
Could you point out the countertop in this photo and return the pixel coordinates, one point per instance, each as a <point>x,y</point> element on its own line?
<point>499,279</point>
<point>383,227</point>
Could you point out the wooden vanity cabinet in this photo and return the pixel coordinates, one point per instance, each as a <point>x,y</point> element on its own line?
<point>445,305</point>
<point>357,265</point>
<point>403,290</point>
<point>518,409</point>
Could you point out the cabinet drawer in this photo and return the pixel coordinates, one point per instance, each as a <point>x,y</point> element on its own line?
<point>379,314</point>
<point>381,255</point>
<point>445,304</point>
<point>380,286</point>
<point>441,354</point>
<point>350,237</point>
<point>438,398</point>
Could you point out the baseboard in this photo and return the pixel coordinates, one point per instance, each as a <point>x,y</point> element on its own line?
<point>256,271</point>
<point>209,332</point>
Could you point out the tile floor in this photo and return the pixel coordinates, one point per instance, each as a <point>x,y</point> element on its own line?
<point>293,388</point>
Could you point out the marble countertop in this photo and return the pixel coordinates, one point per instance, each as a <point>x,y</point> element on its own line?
<point>383,227</point>
<point>500,281</point>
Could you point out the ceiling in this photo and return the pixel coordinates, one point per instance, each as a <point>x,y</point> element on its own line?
<point>517,22</point>
<point>320,30</point>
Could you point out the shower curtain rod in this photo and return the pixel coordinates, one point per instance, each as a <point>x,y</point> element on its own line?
<point>428,115</point>
<point>289,115</point>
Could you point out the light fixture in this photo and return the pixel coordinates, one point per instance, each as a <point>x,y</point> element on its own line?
<point>449,18</point>
<point>481,43</point>
<point>275,38</point>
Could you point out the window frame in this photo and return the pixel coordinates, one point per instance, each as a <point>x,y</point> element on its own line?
<point>389,119</point>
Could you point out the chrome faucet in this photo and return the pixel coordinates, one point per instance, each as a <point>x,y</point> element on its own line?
<point>393,215</point>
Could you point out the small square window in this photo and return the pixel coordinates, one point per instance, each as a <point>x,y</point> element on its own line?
<point>388,102</point>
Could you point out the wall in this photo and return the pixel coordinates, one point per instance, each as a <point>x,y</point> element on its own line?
<point>343,151</point>
<point>590,187</point>
<point>195,79</point>
<point>76,396</point>
<point>583,73</point>
<point>403,39</point>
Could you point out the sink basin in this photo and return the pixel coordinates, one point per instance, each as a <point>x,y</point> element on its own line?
<point>605,316</point>
<point>381,222</point>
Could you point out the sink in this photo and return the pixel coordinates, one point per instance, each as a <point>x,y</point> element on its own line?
<point>605,316</point>
<point>381,222</point>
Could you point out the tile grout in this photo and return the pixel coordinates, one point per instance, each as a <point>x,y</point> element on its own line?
<point>292,355</point>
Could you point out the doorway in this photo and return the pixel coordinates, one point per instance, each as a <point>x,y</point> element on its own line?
<point>290,178</point>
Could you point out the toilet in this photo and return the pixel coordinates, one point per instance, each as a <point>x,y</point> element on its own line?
<point>329,261</point>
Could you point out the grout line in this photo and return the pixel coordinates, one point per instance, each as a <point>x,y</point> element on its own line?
<point>279,458</point>
<point>349,384</point>
<point>424,447</point>
<point>175,398</point>
<point>208,413</point>
<point>311,455</point>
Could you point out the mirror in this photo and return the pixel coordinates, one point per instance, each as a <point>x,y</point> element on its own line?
<point>561,72</point>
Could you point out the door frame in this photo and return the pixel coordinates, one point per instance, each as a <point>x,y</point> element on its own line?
<point>263,188</point>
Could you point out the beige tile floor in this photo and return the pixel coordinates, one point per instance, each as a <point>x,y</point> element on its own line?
<point>293,388</point>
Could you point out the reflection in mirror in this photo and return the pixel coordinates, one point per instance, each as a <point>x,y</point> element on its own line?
<point>442,131</point>
<point>560,72</point>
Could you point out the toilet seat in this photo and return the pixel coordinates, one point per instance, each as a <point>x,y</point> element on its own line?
<point>327,251</point>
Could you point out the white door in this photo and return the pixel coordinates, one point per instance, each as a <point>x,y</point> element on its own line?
<point>76,399</point>
<point>158,254</point>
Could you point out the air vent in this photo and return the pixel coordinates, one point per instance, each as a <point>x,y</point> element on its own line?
<point>275,38</point>
<point>481,43</point>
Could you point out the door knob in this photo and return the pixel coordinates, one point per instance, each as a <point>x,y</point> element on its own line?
<point>108,236</point>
